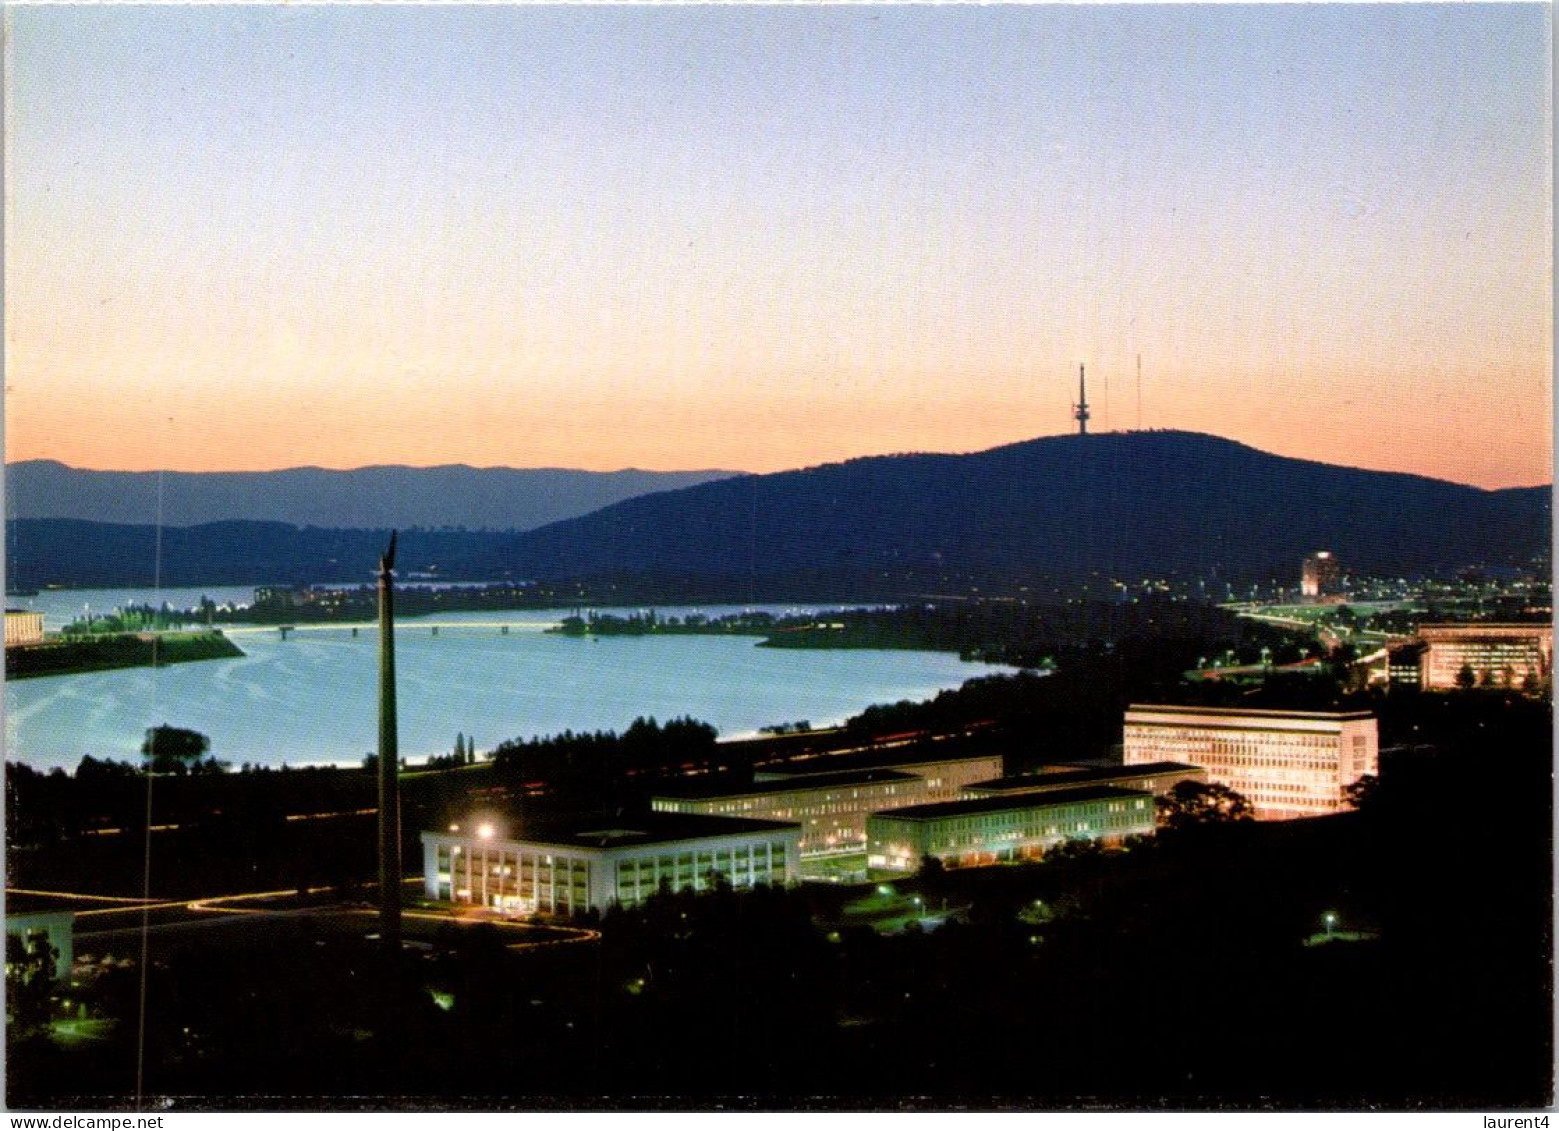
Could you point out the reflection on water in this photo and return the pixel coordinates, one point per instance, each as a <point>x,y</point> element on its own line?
<point>312,698</point>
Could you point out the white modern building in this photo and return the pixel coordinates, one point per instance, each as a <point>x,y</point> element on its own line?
<point>1287,763</point>
<point>994,830</point>
<point>529,867</point>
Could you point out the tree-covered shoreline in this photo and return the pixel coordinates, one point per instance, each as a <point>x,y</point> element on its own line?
<point>71,656</point>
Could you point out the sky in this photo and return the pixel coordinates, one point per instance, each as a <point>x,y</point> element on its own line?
<point>758,238</point>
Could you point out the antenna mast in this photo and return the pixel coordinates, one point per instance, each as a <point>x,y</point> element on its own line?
<point>1139,392</point>
<point>1080,409</point>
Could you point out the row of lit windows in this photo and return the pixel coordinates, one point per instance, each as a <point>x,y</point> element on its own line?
<point>772,810</point>
<point>1004,818</point>
<point>1227,754</point>
<point>1253,734</point>
<point>1203,750</point>
<point>1285,787</point>
<point>646,882</point>
<point>1291,743</point>
<point>494,859</point>
<point>741,856</point>
<point>743,866</point>
<point>1008,826</point>
<point>1031,837</point>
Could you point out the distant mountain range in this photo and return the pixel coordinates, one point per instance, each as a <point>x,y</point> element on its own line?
<point>1127,505</point>
<point>371,498</point>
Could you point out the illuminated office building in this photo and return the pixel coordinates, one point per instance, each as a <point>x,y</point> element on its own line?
<point>566,867</point>
<point>830,808</point>
<point>994,830</point>
<point>1495,655</point>
<point>1286,763</point>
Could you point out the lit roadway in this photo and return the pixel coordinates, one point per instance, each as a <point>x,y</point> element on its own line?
<point>182,915</point>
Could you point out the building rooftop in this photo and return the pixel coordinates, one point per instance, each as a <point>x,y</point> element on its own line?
<point>819,764</point>
<point>704,790</point>
<point>939,809</point>
<point>1246,713</point>
<point>1029,782</point>
<point>1493,628</point>
<point>614,830</point>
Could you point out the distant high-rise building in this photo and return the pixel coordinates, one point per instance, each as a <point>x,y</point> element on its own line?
<point>1321,575</point>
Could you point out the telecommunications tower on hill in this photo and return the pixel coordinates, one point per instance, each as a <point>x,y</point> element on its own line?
<point>1080,409</point>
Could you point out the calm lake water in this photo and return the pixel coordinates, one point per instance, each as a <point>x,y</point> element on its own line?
<point>312,698</point>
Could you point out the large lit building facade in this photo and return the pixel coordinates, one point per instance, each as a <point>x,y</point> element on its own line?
<point>1496,655</point>
<point>830,808</point>
<point>23,627</point>
<point>567,868</point>
<point>1286,763</point>
<point>994,830</point>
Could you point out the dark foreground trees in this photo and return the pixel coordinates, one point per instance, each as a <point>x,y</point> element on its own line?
<point>29,983</point>
<point>174,750</point>
<point>1191,805</point>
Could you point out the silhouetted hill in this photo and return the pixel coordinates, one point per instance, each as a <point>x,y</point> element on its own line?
<point>494,498</point>
<point>1137,504</point>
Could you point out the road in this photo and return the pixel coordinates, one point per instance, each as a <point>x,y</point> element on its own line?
<point>183,917</point>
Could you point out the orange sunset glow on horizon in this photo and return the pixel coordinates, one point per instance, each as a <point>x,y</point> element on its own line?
<point>758,239</point>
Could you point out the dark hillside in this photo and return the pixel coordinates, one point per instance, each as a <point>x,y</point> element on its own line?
<point>1125,504</point>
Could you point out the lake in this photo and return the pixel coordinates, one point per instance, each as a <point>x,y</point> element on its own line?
<point>313,698</point>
